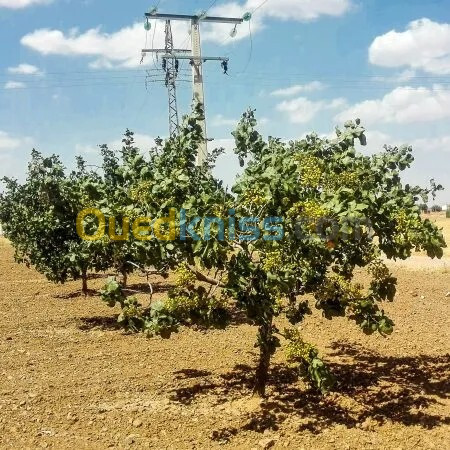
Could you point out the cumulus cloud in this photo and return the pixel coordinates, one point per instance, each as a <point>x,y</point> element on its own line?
<point>220,121</point>
<point>402,105</point>
<point>303,110</point>
<point>25,69</point>
<point>8,142</point>
<point>423,45</point>
<point>19,4</point>
<point>122,48</point>
<point>436,144</point>
<point>14,85</point>
<point>299,88</point>
<point>298,10</point>
<point>301,10</point>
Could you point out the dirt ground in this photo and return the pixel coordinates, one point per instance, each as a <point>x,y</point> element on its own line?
<point>71,379</point>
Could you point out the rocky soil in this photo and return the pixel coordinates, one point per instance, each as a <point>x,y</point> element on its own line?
<point>71,379</point>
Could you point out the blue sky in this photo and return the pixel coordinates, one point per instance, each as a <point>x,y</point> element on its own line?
<point>70,76</point>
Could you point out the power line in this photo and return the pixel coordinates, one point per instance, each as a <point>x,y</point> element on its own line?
<point>260,6</point>
<point>251,47</point>
<point>314,76</point>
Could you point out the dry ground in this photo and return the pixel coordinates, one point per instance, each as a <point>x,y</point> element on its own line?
<point>70,379</point>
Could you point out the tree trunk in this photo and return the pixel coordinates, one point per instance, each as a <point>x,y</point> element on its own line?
<point>85,284</point>
<point>262,372</point>
<point>124,278</point>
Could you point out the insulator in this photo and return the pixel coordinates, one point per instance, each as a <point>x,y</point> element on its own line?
<point>147,25</point>
<point>202,14</point>
<point>153,11</point>
<point>247,16</point>
<point>233,32</point>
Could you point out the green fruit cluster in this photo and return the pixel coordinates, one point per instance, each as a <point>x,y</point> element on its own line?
<point>309,209</point>
<point>182,304</point>
<point>272,260</point>
<point>337,287</point>
<point>310,169</point>
<point>252,197</point>
<point>141,191</point>
<point>379,270</point>
<point>297,350</point>
<point>185,277</point>
<point>345,179</point>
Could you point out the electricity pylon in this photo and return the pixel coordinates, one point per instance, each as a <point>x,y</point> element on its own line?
<point>196,60</point>
<point>171,69</point>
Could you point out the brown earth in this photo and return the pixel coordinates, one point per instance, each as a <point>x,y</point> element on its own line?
<point>71,379</point>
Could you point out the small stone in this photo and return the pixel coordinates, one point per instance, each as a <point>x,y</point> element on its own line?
<point>137,423</point>
<point>447,294</point>
<point>131,439</point>
<point>71,417</point>
<point>266,443</point>
<point>367,425</point>
<point>422,297</point>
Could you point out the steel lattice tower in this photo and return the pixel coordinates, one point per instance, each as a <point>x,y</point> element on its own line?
<point>171,69</point>
<point>171,58</point>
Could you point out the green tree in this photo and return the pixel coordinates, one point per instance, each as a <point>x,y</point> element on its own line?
<point>39,219</point>
<point>339,210</point>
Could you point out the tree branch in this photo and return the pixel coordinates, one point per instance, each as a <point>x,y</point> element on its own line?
<point>202,277</point>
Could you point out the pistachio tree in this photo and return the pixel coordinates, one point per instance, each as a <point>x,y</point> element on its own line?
<point>300,220</point>
<point>341,210</point>
<point>39,218</point>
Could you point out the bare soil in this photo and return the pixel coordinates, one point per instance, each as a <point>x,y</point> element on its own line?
<point>71,379</point>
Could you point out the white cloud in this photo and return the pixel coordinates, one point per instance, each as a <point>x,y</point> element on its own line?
<point>220,33</point>
<point>301,10</point>
<point>220,121</point>
<point>405,75</point>
<point>376,140</point>
<point>14,85</point>
<point>19,4</point>
<point>436,144</point>
<point>402,105</point>
<point>299,88</point>
<point>8,142</point>
<point>424,45</point>
<point>122,48</point>
<point>25,69</point>
<point>298,10</point>
<point>303,110</point>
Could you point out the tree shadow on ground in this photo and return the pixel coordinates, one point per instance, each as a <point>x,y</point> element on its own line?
<point>98,323</point>
<point>76,294</point>
<point>370,386</point>
<point>143,288</point>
